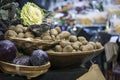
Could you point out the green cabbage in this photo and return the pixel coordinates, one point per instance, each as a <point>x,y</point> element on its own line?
<point>32,14</point>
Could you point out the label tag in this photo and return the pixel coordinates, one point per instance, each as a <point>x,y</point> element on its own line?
<point>113,39</point>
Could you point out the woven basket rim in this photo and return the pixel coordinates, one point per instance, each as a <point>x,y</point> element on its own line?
<point>23,66</point>
<point>32,39</point>
<point>75,53</point>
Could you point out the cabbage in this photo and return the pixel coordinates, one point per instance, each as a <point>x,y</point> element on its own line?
<point>22,60</point>
<point>7,50</point>
<point>32,14</point>
<point>39,57</point>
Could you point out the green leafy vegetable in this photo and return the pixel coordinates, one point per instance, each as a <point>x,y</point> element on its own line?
<point>32,14</point>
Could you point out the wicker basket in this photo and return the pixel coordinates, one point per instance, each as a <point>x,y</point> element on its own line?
<point>65,59</point>
<point>28,71</point>
<point>27,45</point>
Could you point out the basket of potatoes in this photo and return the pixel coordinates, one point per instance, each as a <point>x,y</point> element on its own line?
<point>72,50</point>
<point>26,40</point>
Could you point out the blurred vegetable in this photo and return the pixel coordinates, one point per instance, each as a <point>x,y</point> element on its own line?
<point>32,14</point>
<point>8,51</point>
<point>39,29</point>
<point>1,35</point>
<point>9,14</point>
<point>22,60</point>
<point>39,57</point>
<point>4,2</point>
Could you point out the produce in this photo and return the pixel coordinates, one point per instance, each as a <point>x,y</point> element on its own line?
<point>58,29</point>
<point>72,38</point>
<point>28,35</point>
<point>12,27</point>
<point>10,33</point>
<point>39,57</point>
<point>18,29</point>
<point>20,35</point>
<point>32,14</point>
<point>64,34</point>
<point>64,43</point>
<point>94,44</point>
<point>1,35</point>
<point>98,45</point>
<point>46,37</point>
<point>87,47</point>
<point>75,44</point>
<point>38,30</point>
<point>68,48</point>
<point>58,48</point>
<point>53,32</point>
<point>81,38</point>
<point>8,51</point>
<point>22,60</point>
<point>9,14</point>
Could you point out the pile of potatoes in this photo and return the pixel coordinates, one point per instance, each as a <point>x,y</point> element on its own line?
<point>55,34</point>
<point>18,31</point>
<point>68,42</point>
<point>75,44</point>
<point>21,31</point>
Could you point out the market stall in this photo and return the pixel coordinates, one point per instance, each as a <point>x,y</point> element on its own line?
<point>65,43</point>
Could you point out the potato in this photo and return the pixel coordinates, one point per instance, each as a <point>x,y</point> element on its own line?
<point>48,37</point>
<point>75,46</point>
<point>58,48</point>
<point>81,38</point>
<point>83,48</point>
<point>57,37</point>
<point>64,43</point>
<point>58,29</point>
<point>50,50</point>
<point>19,26</point>
<point>84,42</point>
<point>25,29</point>
<point>53,32</point>
<point>68,48</point>
<point>29,35</point>
<point>78,50</point>
<point>74,50</point>
<point>72,38</point>
<point>92,43</point>
<point>20,35</point>
<point>78,43</point>
<point>64,34</point>
<point>45,33</point>
<point>98,45</point>
<point>87,47</point>
<point>53,37</point>
<point>12,27</point>
<point>18,30</point>
<point>90,46</point>
<point>10,33</point>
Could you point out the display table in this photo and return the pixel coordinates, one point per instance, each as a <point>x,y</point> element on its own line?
<point>68,73</point>
<point>52,74</point>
